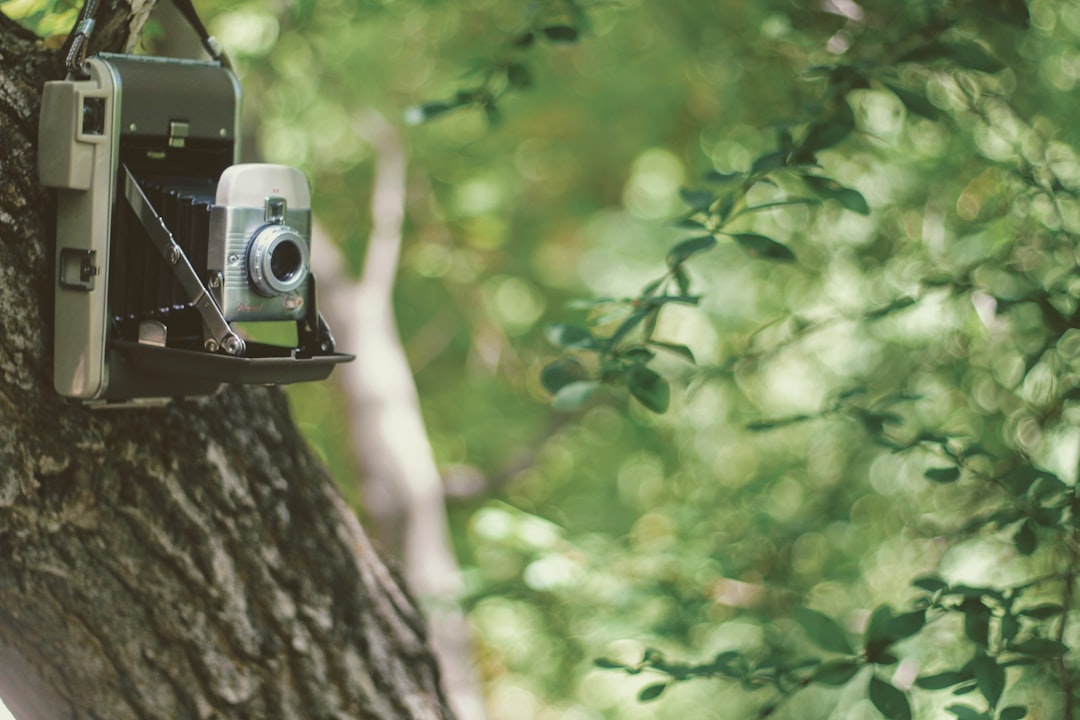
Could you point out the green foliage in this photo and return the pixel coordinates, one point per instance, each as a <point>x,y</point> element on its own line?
<point>823,630</point>
<point>558,22</point>
<point>49,19</point>
<point>1030,505</point>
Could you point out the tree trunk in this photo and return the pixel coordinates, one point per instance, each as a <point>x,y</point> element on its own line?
<point>191,561</point>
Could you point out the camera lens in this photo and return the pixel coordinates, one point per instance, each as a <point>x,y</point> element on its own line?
<point>277,260</point>
<point>285,262</point>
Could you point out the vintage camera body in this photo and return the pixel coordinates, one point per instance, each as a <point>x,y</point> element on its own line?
<point>260,241</point>
<point>163,241</point>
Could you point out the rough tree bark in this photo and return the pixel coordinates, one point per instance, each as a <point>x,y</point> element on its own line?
<point>191,561</point>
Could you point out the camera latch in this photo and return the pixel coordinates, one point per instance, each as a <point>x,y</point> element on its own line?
<point>178,133</point>
<point>77,269</point>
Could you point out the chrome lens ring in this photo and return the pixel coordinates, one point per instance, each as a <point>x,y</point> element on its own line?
<point>277,260</point>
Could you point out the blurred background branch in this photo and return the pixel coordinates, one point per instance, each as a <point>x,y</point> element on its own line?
<point>401,486</point>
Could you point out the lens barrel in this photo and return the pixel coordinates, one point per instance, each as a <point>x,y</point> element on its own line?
<point>277,260</point>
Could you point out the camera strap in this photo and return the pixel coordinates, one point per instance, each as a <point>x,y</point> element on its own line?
<point>79,39</point>
<point>213,47</point>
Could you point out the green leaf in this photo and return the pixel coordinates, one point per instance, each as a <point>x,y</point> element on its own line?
<point>464,97</point>
<point>727,204</point>
<point>889,701</point>
<point>975,592</point>
<point>823,631</point>
<point>832,190</point>
<point>779,203</point>
<point>1025,538</point>
<point>627,325</point>
<point>852,200</point>
<point>648,388</point>
<point>989,678</point>
<point>1014,12</point>
<point>763,247</point>
<point>570,337</point>
<point>875,422</point>
<point>1040,647</point>
<point>966,54</point>
<point>560,373</point>
<point>769,161</point>
<point>721,665</point>
<point>637,353</point>
<point>930,583</point>
<point>587,304</point>
<point>966,712</point>
<point>491,112</point>
<point>518,75</point>
<point>877,636</point>
<point>898,304</point>
<point>973,56</point>
<point>651,692</point>
<point>1043,612</point>
<point>607,664</point>
<point>719,177</point>
<point>574,396</point>
<point>907,624</point>
<point>1048,485</point>
<point>976,621</point>
<point>697,199</point>
<point>1019,480</point>
<point>942,680</point>
<point>1009,628</point>
<point>692,246</point>
<point>431,110</point>
<point>561,33</point>
<point>652,287</point>
<point>681,350</point>
<point>835,672</point>
<point>682,280</point>
<point>1047,517</point>
<point>690,223</point>
<point>1006,516</point>
<point>826,133</point>
<point>942,475</point>
<point>915,102</point>
<point>656,302</point>
<point>1013,712</point>
<point>763,425</point>
<point>651,655</point>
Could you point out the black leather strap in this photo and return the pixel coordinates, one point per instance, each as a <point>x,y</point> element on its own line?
<point>213,47</point>
<point>79,40</point>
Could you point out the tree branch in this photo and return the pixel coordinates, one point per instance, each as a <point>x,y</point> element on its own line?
<point>402,487</point>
